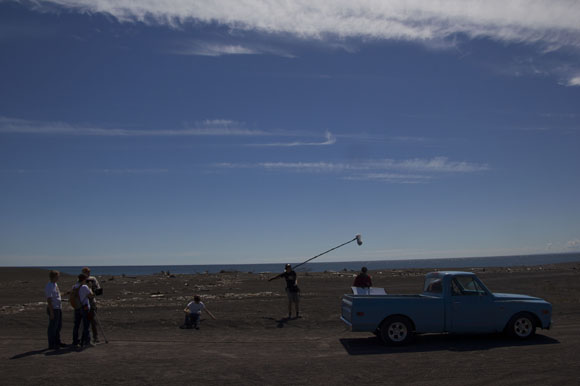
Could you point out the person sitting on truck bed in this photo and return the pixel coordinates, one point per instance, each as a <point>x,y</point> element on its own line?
<point>363,279</point>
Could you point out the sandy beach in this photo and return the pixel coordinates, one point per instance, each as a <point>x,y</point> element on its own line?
<point>252,343</point>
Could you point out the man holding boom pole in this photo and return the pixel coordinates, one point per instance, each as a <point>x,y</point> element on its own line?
<point>292,289</point>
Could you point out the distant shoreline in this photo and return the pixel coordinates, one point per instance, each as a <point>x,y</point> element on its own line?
<point>458,262</point>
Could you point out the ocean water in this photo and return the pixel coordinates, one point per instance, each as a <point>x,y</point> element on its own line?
<point>463,262</point>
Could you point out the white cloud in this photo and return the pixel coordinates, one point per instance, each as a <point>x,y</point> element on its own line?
<point>309,167</point>
<point>207,128</point>
<point>207,49</point>
<point>549,26</point>
<point>330,140</point>
<point>574,81</point>
<point>130,171</point>
<point>213,127</point>
<point>327,167</point>
<point>204,48</point>
<point>437,164</point>
<point>552,22</point>
<point>387,170</point>
<point>391,178</point>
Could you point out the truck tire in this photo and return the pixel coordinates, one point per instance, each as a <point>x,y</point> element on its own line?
<point>396,331</point>
<point>522,325</point>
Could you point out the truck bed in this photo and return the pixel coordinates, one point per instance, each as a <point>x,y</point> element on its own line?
<point>366,312</point>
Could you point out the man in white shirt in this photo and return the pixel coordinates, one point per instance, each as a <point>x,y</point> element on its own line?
<point>54,311</point>
<point>193,313</point>
<point>82,294</point>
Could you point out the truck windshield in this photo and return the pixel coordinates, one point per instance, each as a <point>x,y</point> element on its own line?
<point>433,285</point>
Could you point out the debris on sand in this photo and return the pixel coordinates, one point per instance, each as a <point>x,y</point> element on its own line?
<point>231,295</point>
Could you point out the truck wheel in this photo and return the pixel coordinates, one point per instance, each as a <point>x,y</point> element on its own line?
<point>396,331</point>
<point>522,325</point>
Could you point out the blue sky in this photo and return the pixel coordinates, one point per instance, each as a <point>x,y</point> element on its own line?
<point>194,132</point>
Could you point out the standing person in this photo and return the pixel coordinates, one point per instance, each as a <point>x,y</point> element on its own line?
<point>54,311</point>
<point>193,313</point>
<point>94,286</point>
<point>80,300</point>
<point>363,280</point>
<point>292,289</point>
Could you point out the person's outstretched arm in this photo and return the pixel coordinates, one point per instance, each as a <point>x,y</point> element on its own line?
<point>275,277</point>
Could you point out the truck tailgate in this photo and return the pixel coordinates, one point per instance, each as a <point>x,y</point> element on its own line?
<point>346,315</point>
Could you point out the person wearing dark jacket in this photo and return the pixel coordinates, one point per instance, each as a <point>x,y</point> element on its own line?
<point>363,280</point>
<point>292,289</point>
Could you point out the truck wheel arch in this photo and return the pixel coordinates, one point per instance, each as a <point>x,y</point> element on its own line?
<point>400,316</point>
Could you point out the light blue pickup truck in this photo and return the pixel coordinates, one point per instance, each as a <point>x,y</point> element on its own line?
<point>455,302</point>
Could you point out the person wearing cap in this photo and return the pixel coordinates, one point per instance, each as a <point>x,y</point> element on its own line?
<point>54,311</point>
<point>363,280</point>
<point>83,293</point>
<point>292,289</point>
<point>94,286</point>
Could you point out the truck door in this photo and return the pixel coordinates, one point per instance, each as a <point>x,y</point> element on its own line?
<point>470,307</point>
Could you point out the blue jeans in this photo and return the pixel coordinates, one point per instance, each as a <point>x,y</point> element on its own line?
<point>54,326</point>
<point>192,320</point>
<point>81,315</point>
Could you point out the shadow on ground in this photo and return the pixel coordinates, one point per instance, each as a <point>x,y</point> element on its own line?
<point>440,342</point>
<point>48,352</point>
<point>29,353</point>
<point>280,323</point>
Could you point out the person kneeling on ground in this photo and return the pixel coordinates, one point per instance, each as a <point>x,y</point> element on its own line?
<point>193,313</point>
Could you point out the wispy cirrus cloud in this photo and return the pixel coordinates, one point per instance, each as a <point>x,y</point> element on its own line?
<point>111,171</point>
<point>563,67</point>
<point>548,25</point>
<point>522,21</point>
<point>215,48</point>
<point>436,164</point>
<point>385,170</point>
<point>330,140</point>
<point>130,171</point>
<point>397,178</point>
<point>214,127</point>
<point>218,127</point>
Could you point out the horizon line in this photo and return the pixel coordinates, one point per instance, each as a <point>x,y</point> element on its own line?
<point>272,263</point>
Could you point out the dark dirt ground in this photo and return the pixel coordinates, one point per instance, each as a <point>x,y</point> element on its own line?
<point>252,343</point>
